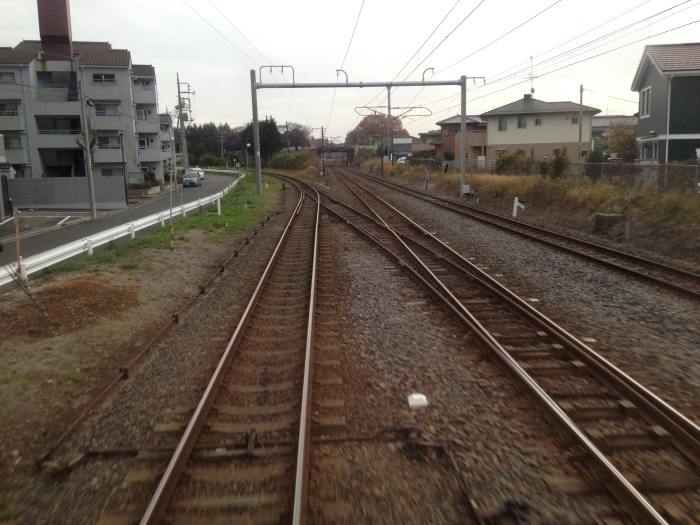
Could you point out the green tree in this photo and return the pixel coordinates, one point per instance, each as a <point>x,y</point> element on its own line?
<point>270,139</point>
<point>622,140</point>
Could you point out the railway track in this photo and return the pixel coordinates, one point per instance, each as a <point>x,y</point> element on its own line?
<point>627,439</point>
<point>243,454</point>
<point>679,280</point>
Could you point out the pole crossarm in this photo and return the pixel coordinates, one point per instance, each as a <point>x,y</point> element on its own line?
<point>281,70</point>
<point>263,85</point>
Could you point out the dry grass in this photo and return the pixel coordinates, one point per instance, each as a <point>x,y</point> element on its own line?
<point>667,223</point>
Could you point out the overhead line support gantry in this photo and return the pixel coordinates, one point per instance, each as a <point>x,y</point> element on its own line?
<point>462,82</point>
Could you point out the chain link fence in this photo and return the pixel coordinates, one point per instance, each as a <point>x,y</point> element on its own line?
<point>654,177</point>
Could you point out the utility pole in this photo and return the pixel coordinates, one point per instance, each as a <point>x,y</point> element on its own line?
<point>256,133</point>
<point>287,124</point>
<point>183,135</point>
<point>86,143</point>
<point>390,138</point>
<point>221,139</point>
<point>323,155</point>
<point>580,128</point>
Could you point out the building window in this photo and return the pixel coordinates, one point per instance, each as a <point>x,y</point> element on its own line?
<point>502,124</point>
<point>501,152</point>
<point>108,142</point>
<point>656,150</point>
<point>522,122</point>
<point>143,143</point>
<point>7,110</point>
<point>7,77</point>
<point>104,78</point>
<point>538,122</point>
<point>106,110</point>
<point>645,102</point>
<point>574,120</point>
<point>12,143</point>
<point>112,172</point>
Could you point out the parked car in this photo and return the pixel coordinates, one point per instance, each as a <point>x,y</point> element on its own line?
<point>401,160</point>
<point>191,178</point>
<point>200,171</point>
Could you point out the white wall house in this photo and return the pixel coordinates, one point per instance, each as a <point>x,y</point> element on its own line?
<point>538,128</point>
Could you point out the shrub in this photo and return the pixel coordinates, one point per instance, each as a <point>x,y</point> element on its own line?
<point>559,163</point>
<point>295,160</point>
<point>514,163</point>
<point>448,155</point>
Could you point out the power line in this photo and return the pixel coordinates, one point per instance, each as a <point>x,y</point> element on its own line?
<point>343,62</point>
<point>567,53</point>
<point>220,33</point>
<point>577,36</point>
<point>610,96</point>
<point>500,37</point>
<point>436,47</point>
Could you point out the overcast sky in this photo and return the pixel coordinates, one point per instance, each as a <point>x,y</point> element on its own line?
<point>213,45</point>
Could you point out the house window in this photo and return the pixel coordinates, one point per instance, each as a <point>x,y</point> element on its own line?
<point>103,78</point>
<point>112,172</point>
<point>501,152</point>
<point>522,122</point>
<point>502,124</point>
<point>538,122</point>
<point>109,142</point>
<point>645,102</point>
<point>7,77</point>
<point>574,120</point>
<point>656,150</point>
<point>143,143</point>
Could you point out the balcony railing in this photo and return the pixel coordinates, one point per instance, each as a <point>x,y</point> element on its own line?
<point>58,131</point>
<point>9,113</point>
<point>13,146</point>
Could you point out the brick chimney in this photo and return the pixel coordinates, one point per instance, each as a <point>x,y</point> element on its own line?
<point>527,96</point>
<point>55,30</point>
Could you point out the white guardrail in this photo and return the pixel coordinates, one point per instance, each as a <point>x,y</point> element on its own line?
<point>88,244</point>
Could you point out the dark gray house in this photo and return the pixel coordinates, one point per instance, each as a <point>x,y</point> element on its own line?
<point>668,82</point>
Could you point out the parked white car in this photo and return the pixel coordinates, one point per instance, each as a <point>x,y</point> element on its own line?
<point>200,171</point>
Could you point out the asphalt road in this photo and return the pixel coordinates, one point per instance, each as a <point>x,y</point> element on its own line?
<point>43,230</point>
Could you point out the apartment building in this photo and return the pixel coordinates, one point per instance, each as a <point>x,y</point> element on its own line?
<point>41,118</point>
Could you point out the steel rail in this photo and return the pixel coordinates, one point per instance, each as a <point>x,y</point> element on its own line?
<point>515,226</point>
<point>684,429</point>
<point>166,487</point>
<point>618,485</point>
<point>302,471</point>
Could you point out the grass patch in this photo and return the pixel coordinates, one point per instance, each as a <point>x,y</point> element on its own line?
<point>14,378</point>
<point>241,209</point>
<point>89,361</point>
<point>73,377</point>
<point>8,510</point>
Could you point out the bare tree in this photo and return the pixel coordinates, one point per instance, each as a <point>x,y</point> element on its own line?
<point>375,126</point>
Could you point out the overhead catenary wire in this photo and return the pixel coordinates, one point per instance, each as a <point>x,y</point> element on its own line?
<point>577,62</point>
<point>567,56</point>
<point>244,53</point>
<point>344,58</point>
